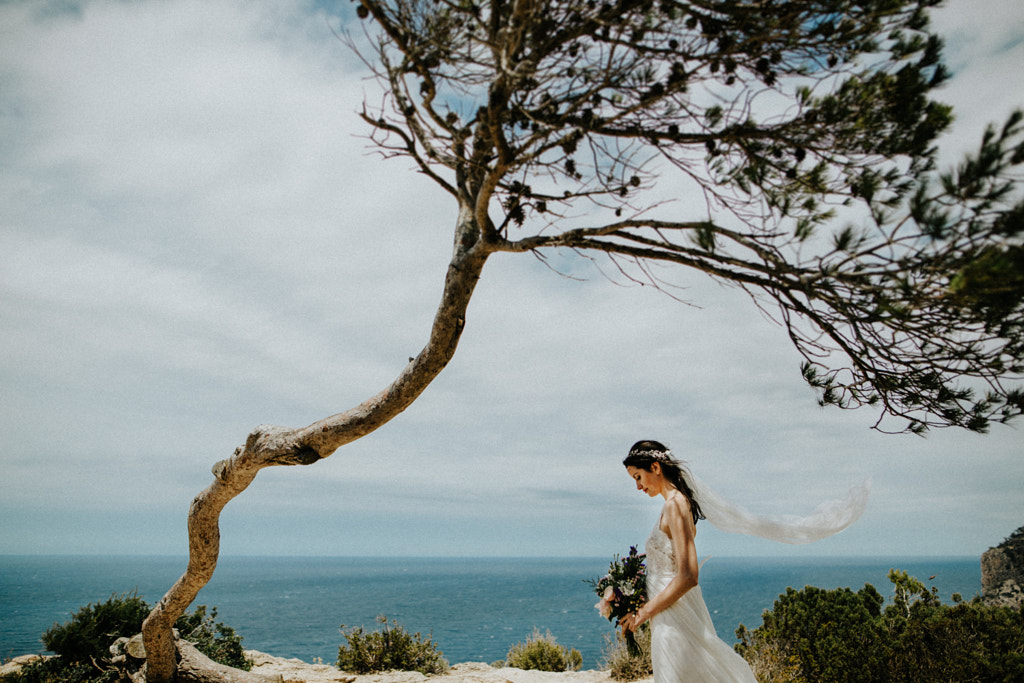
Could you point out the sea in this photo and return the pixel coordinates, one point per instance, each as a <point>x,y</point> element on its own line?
<point>473,609</point>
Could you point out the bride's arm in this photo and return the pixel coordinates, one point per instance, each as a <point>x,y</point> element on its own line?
<point>678,524</point>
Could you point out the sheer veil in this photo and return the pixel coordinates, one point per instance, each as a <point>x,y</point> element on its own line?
<point>827,519</point>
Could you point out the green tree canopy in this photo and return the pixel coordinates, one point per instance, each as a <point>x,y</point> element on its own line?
<point>806,130</point>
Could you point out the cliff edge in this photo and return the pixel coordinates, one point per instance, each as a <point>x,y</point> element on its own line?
<point>1002,572</point>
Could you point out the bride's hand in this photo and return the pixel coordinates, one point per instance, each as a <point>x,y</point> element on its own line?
<point>632,621</point>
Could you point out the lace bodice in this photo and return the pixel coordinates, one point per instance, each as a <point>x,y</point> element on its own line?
<point>660,558</point>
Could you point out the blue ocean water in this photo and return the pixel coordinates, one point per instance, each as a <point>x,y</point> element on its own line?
<point>473,608</point>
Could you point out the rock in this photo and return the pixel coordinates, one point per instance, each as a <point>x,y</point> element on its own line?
<point>14,666</point>
<point>135,647</point>
<point>1002,572</point>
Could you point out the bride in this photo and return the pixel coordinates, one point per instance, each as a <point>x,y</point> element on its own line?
<point>684,645</point>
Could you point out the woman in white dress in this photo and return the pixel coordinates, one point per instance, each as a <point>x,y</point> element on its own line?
<point>684,645</point>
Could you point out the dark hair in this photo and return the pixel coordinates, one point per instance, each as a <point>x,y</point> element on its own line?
<point>643,453</point>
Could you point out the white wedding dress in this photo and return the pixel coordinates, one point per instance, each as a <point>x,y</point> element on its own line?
<point>684,645</point>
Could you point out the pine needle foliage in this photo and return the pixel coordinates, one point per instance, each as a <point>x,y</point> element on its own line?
<point>803,130</point>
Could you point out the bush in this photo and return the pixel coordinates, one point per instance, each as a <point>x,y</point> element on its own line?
<point>819,635</point>
<point>54,670</point>
<point>88,635</point>
<point>968,641</point>
<point>391,649</point>
<point>623,665</point>
<point>543,653</point>
<point>82,645</point>
<point>837,635</point>
<point>215,640</point>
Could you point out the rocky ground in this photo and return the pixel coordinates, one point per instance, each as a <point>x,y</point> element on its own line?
<point>15,664</point>
<point>297,671</point>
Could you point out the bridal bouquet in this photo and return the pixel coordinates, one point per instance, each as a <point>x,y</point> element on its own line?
<point>623,590</point>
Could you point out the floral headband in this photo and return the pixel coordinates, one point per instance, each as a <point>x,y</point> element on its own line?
<point>659,456</point>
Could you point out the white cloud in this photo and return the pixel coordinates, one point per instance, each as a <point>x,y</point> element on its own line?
<point>195,240</point>
<point>984,50</point>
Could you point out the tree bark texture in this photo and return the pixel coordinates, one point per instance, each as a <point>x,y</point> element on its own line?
<point>195,667</point>
<point>270,445</point>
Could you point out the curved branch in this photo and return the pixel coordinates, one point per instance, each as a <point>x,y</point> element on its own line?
<point>269,446</point>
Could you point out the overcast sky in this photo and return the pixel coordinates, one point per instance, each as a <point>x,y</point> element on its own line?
<point>194,239</point>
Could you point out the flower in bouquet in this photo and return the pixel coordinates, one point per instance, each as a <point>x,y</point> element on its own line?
<point>623,590</point>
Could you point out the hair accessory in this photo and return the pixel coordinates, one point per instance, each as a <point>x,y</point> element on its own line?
<point>660,456</point>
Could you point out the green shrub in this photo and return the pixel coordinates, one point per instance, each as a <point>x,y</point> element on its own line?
<point>88,635</point>
<point>822,636</point>
<point>968,641</point>
<point>82,645</point>
<point>623,665</point>
<point>391,649</point>
<point>215,640</point>
<point>543,653</point>
<point>54,670</point>
<point>834,635</point>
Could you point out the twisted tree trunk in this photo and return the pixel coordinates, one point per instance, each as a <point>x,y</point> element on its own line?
<point>268,445</point>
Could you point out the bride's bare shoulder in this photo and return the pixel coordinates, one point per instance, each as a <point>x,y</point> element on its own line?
<point>678,504</point>
<point>675,512</point>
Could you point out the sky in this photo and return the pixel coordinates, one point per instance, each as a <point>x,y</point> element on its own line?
<point>195,238</point>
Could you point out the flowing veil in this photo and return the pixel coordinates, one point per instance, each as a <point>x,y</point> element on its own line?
<point>827,519</point>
